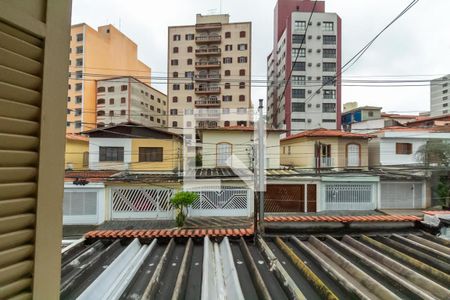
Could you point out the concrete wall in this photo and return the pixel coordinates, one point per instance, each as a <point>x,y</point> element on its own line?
<point>388,154</point>
<point>74,157</point>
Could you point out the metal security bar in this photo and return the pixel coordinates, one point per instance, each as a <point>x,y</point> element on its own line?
<point>224,202</point>
<point>349,197</point>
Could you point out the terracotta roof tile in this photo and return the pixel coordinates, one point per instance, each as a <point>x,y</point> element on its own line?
<point>344,219</point>
<point>322,132</point>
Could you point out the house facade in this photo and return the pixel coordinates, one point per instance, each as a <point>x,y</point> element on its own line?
<point>395,146</point>
<point>233,147</point>
<point>325,149</point>
<point>77,151</point>
<point>134,147</point>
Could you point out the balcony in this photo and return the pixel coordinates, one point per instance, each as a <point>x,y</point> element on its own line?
<point>207,90</point>
<point>211,38</point>
<point>209,26</point>
<point>207,124</point>
<point>208,114</point>
<point>211,102</point>
<point>208,51</point>
<point>207,64</point>
<point>207,77</point>
<point>323,162</point>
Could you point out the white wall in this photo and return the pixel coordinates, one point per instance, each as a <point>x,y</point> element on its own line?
<point>87,219</point>
<point>94,153</point>
<point>389,157</point>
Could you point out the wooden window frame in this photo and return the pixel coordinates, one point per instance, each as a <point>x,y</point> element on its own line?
<point>400,151</point>
<point>103,154</point>
<point>359,154</point>
<point>151,157</point>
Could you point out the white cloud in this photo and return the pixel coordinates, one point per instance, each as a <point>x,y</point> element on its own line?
<point>418,44</point>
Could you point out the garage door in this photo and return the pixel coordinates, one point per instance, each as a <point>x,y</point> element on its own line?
<point>342,196</point>
<point>401,195</point>
<point>290,198</point>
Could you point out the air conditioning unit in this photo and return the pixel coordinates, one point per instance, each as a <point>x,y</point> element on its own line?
<point>309,64</point>
<point>318,77</point>
<point>319,50</point>
<point>318,64</point>
<point>309,78</point>
<point>318,105</point>
<point>309,104</point>
<point>310,23</point>
<point>309,120</point>
<point>319,37</point>
<point>309,91</point>
<point>309,37</point>
<point>318,23</point>
<point>309,50</point>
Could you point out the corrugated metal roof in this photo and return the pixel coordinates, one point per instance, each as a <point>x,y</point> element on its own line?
<point>392,266</point>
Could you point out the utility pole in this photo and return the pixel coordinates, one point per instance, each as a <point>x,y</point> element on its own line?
<point>261,164</point>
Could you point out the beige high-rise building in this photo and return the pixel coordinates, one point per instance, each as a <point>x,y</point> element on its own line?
<point>95,55</point>
<point>209,67</point>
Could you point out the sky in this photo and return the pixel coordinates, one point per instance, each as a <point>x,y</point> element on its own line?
<point>417,46</point>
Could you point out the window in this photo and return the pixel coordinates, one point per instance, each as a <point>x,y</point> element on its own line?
<point>227,60</point>
<point>174,62</point>
<point>189,61</point>
<point>150,154</point>
<point>241,110</point>
<point>77,124</point>
<point>174,124</point>
<point>175,99</point>
<point>298,80</point>
<point>176,87</point>
<point>298,93</point>
<point>241,98</point>
<point>329,107</point>
<point>79,62</point>
<point>79,37</point>
<point>226,124</point>
<point>188,86</point>
<point>242,72</point>
<point>78,87</point>
<point>228,47</point>
<point>100,101</point>
<point>444,91</point>
<point>295,52</point>
<point>227,72</point>
<point>298,107</point>
<point>328,121</point>
<point>68,99</point>
<point>329,94</point>
<point>241,123</point>
<point>68,111</point>
<point>189,49</point>
<point>78,75</point>
<point>111,101</point>
<point>110,89</point>
<point>289,150</point>
<point>79,49</point>
<point>67,124</point>
<point>370,113</point>
<point>327,26</point>
<point>227,35</point>
<point>123,112</point>
<point>329,67</point>
<point>298,38</point>
<point>111,113</point>
<point>176,37</point>
<point>329,40</point>
<point>328,80</point>
<point>299,66</point>
<point>175,50</point>
<point>300,25</point>
<point>223,154</point>
<point>123,100</point>
<point>242,47</point>
<point>152,107</point>
<point>329,53</point>
<point>189,37</point>
<point>111,153</point>
<point>173,112</point>
<point>227,98</point>
<point>78,99</point>
<point>403,148</point>
<point>175,75</point>
<point>444,98</point>
<point>227,85</point>
<point>189,99</point>
<point>242,85</point>
<point>242,59</point>
<point>242,34</point>
<point>298,120</point>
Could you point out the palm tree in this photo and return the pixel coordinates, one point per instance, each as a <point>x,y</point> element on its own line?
<point>434,153</point>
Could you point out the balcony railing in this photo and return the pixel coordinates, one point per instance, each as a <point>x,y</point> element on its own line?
<point>208,39</point>
<point>208,51</point>
<point>208,26</point>
<point>207,103</point>
<point>207,64</point>
<point>208,90</point>
<point>207,77</point>
<point>205,124</point>
<point>324,162</point>
<point>209,114</point>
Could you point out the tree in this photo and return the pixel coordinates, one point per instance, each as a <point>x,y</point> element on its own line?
<point>434,153</point>
<point>443,191</point>
<point>181,201</point>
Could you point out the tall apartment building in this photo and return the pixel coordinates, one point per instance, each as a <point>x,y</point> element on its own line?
<point>209,67</point>
<point>297,105</point>
<point>439,97</point>
<point>127,99</point>
<point>97,54</point>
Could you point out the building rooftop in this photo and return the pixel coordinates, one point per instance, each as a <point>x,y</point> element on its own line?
<point>372,266</point>
<point>322,132</point>
<point>76,137</point>
<point>240,128</point>
<point>362,108</point>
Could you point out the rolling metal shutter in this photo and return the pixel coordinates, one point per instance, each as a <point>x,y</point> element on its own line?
<point>25,195</point>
